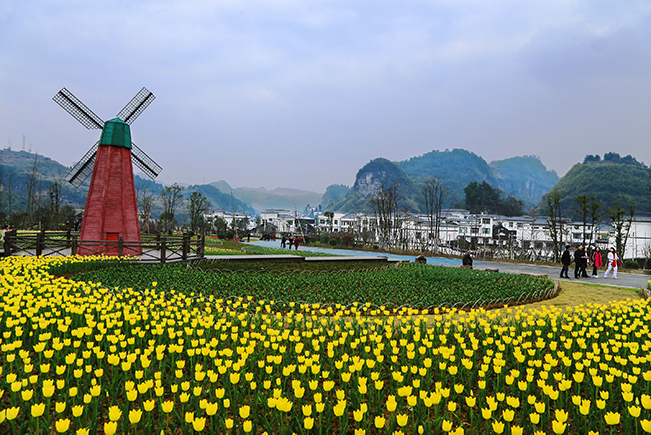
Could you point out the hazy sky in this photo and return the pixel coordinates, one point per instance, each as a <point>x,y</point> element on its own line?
<point>303,93</point>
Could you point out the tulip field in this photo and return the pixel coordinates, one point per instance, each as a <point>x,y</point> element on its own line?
<point>82,357</point>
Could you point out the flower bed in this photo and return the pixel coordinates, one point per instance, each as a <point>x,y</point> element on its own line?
<point>78,357</point>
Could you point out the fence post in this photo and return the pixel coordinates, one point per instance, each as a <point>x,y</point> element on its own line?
<point>39,242</point>
<point>68,230</point>
<point>201,246</point>
<point>73,248</point>
<point>186,246</point>
<point>7,244</point>
<point>163,249</point>
<point>120,246</point>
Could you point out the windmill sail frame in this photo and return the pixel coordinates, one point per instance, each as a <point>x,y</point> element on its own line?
<point>84,167</point>
<point>78,110</point>
<point>136,106</point>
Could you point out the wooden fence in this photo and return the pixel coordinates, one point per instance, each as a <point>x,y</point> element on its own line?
<point>151,249</point>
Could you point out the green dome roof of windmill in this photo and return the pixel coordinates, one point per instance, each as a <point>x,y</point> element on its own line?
<point>116,133</point>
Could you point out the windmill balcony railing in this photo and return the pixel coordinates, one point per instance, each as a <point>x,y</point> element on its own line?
<point>150,249</point>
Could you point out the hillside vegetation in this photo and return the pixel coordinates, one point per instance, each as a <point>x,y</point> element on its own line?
<point>608,181</point>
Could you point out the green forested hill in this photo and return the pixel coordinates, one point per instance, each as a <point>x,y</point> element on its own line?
<point>375,173</point>
<point>608,181</point>
<point>456,168</point>
<point>525,177</point>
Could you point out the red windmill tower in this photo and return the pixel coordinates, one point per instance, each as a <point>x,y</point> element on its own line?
<point>111,209</point>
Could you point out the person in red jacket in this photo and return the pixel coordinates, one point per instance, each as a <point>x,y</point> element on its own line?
<point>597,262</point>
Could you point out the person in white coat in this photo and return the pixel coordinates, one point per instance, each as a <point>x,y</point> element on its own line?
<point>612,263</point>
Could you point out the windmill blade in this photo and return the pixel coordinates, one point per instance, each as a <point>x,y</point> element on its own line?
<point>78,110</point>
<point>82,170</point>
<point>134,108</point>
<point>144,162</point>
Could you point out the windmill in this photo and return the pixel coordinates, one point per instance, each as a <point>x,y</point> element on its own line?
<point>111,209</point>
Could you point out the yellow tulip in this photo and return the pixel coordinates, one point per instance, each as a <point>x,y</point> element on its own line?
<point>247,426</point>
<point>534,417</point>
<point>167,406</point>
<point>646,425</point>
<point>198,424</point>
<point>486,413</point>
<point>62,425</point>
<point>37,409</point>
<point>646,401</point>
<point>148,405</point>
<point>447,426</point>
<point>12,413</point>
<point>612,418</point>
<point>402,419</point>
<point>114,413</point>
<point>634,411</point>
<point>561,415</point>
<point>339,408</point>
<point>308,423</point>
<point>508,415</point>
<point>110,427</point>
<point>229,423</point>
<point>245,411</point>
<point>135,415</point>
<point>498,427</point>
<point>77,410</point>
<point>558,427</point>
<point>379,422</point>
<point>59,407</point>
<point>391,403</point>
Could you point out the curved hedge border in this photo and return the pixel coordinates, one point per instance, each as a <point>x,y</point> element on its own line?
<point>427,289</point>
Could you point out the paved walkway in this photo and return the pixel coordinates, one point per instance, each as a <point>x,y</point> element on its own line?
<point>628,280</point>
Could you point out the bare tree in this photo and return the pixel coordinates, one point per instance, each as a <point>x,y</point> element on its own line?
<point>171,197</point>
<point>32,189</point>
<point>433,196</point>
<point>554,220</point>
<point>384,204</point>
<point>583,211</point>
<point>54,195</point>
<point>596,214</point>
<point>621,220</point>
<point>197,206</point>
<point>146,200</point>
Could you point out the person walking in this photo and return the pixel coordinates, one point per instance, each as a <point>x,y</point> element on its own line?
<point>566,260</point>
<point>297,242</point>
<point>578,262</point>
<point>612,263</point>
<point>283,242</point>
<point>597,262</point>
<point>584,264</point>
<point>466,261</point>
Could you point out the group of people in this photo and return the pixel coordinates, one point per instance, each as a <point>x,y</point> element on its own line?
<point>581,260</point>
<point>290,241</point>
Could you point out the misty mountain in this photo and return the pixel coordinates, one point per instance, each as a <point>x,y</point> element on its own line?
<point>281,197</point>
<point>524,178</point>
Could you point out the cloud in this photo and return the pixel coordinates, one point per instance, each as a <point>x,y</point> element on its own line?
<point>289,93</point>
